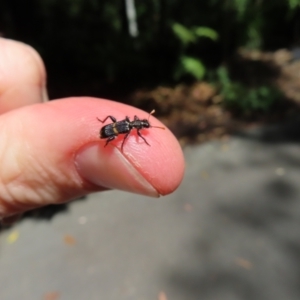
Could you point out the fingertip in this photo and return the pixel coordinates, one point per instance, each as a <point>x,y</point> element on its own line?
<point>159,159</point>
<point>155,169</point>
<point>162,163</point>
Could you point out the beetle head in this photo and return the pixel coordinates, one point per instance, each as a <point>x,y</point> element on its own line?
<point>145,123</point>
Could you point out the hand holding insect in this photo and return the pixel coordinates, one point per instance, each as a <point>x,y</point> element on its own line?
<point>51,152</point>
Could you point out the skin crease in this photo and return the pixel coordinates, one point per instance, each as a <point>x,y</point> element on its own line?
<point>41,142</point>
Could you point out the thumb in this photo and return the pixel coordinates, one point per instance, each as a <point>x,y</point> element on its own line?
<point>51,153</point>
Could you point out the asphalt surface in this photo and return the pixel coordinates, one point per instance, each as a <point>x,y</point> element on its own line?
<point>231,231</point>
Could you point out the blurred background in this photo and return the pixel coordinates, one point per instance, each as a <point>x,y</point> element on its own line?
<point>224,76</point>
<point>234,60</point>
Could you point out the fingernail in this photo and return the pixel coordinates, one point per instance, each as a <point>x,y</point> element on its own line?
<point>112,170</point>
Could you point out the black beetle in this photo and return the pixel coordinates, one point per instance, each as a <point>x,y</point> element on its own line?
<point>111,131</point>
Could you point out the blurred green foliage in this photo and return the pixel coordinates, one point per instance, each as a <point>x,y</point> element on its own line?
<point>243,99</point>
<point>188,65</point>
<point>294,4</point>
<point>192,35</point>
<point>86,45</point>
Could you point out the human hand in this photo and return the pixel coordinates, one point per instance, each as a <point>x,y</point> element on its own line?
<point>51,152</point>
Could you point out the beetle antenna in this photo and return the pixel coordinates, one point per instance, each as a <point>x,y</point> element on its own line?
<point>158,127</point>
<point>151,113</point>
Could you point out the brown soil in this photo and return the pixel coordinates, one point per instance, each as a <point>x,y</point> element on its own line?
<point>195,113</point>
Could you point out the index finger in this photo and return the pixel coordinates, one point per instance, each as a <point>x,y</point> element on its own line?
<point>51,153</point>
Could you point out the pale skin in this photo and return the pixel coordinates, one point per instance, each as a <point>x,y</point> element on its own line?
<point>50,152</point>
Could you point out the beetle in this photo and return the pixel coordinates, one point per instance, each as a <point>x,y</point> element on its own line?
<point>112,130</point>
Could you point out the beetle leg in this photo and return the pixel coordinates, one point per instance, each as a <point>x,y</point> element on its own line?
<point>124,140</point>
<point>140,135</point>
<point>111,117</point>
<point>111,138</point>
